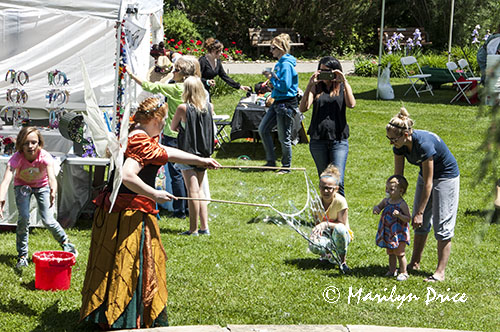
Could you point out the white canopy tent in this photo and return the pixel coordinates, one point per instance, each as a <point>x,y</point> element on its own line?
<point>39,36</point>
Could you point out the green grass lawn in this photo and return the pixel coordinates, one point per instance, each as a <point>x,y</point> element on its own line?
<point>252,272</point>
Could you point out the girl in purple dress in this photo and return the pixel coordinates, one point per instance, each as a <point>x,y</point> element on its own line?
<point>393,231</point>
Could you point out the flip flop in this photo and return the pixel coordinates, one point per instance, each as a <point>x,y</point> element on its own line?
<point>432,278</point>
<point>413,267</point>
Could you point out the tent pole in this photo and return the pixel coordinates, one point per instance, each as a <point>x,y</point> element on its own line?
<point>117,73</point>
<point>451,29</point>
<point>380,43</point>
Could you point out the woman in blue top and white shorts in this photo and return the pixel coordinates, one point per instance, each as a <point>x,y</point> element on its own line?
<point>437,190</point>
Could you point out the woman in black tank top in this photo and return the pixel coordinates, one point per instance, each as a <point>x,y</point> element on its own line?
<point>329,93</point>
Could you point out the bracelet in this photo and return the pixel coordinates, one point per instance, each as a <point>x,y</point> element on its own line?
<point>50,77</point>
<point>4,112</point>
<point>9,97</point>
<point>23,97</point>
<point>57,77</point>
<point>57,95</point>
<point>53,119</point>
<point>22,77</point>
<point>21,114</point>
<point>12,73</point>
<point>14,95</point>
<point>62,76</point>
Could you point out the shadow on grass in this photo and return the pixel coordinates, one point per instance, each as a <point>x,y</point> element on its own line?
<point>311,263</point>
<point>52,319</point>
<point>478,213</point>
<point>84,223</point>
<point>490,216</point>
<point>380,271</point>
<point>441,96</point>
<point>7,258</point>
<point>29,285</point>
<point>16,307</point>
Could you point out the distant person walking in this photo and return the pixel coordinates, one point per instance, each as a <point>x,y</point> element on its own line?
<point>211,66</point>
<point>285,82</point>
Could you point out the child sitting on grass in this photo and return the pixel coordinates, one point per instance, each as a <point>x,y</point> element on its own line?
<point>33,171</point>
<point>332,228</point>
<point>393,231</point>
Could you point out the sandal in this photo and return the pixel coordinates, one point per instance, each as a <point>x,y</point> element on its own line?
<point>391,274</point>
<point>413,267</point>
<point>432,278</point>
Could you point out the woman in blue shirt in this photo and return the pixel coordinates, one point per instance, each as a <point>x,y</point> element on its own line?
<point>285,82</point>
<point>437,189</point>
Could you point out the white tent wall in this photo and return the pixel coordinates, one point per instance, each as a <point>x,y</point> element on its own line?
<point>41,36</point>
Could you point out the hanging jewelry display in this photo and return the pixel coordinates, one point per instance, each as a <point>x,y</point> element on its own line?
<point>15,112</point>
<point>56,97</point>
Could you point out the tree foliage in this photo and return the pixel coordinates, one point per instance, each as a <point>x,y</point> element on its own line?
<point>338,26</point>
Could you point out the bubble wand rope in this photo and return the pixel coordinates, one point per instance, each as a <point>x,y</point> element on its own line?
<point>264,167</point>
<point>257,204</point>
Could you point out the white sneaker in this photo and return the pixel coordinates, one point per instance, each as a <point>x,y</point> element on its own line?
<point>69,247</point>
<point>22,262</point>
<point>402,277</point>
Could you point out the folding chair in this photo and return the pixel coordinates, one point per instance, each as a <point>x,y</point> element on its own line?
<point>468,73</point>
<point>462,86</point>
<point>410,61</point>
<point>221,121</point>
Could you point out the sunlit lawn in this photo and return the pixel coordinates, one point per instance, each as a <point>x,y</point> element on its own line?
<point>260,273</point>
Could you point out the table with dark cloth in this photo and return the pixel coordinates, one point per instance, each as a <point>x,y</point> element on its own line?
<point>247,117</point>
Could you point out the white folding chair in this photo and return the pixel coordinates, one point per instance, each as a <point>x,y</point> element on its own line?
<point>468,73</point>
<point>462,86</point>
<point>411,61</point>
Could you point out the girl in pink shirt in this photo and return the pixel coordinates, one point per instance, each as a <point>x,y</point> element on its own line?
<point>33,171</point>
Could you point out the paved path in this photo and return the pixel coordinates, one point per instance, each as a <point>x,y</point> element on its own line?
<point>292,328</point>
<point>258,67</point>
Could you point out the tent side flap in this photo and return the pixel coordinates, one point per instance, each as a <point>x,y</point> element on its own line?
<point>41,40</point>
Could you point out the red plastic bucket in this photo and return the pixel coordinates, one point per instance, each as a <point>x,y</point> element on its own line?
<point>53,269</point>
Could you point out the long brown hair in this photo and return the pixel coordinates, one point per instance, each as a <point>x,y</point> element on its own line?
<point>23,134</point>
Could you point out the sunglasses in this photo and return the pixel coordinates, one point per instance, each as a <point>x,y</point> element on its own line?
<point>327,188</point>
<point>393,139</point>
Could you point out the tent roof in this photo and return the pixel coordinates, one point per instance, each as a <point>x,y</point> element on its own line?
<point>107,9</point>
